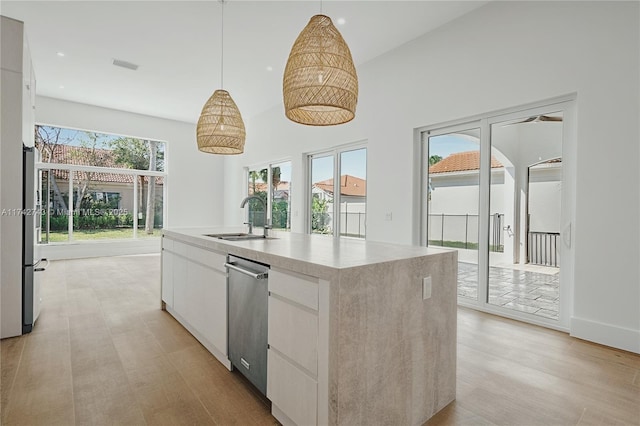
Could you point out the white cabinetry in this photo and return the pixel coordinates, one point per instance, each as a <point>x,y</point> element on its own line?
<point>194,290</point>
<point>292,359</point>
<point>28,97</point>
<point>16,127</point>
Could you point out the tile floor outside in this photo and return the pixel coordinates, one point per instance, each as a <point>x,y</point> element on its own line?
<point>525,291</point>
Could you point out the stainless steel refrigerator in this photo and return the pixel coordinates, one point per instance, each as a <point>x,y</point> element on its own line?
<point>31,263</point>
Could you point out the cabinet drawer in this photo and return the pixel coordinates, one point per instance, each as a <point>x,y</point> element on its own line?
<point>293,331</point>
<point>296,287</point>
<point>291,390</point>
<point>207,258</point>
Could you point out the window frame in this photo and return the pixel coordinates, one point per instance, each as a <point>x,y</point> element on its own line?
<point>40,166</point>
<point>269,167</point>
<point>336,153</point>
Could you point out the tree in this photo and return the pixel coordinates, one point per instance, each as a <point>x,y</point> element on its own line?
<point>151,193</point>
<point>319,215</point>
<point>253,175</point>
<point>139,154</point>
<point>275,177</point>
<point>47,141</point>
<point>433,159</point>
<point>92,153</point>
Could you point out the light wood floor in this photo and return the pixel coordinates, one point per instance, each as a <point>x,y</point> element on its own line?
<point>103,353</point>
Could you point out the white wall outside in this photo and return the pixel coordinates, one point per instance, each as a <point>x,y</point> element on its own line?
<point>545,188</point>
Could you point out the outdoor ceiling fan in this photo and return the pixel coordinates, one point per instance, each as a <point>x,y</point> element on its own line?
<point>538,118</point>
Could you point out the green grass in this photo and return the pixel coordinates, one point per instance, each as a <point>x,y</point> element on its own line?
<point>99,234</point>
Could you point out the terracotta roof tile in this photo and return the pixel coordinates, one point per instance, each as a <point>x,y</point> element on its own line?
<point>349,185</point>
<point>81,156</point>
<point>461,161</point>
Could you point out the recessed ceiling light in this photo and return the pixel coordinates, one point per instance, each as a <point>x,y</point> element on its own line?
<point>61,54</point>
<point>341,21</point>
<point>269,68</point>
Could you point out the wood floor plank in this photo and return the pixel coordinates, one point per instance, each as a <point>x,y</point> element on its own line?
<point>10,354</point>
<point>515,373</point>
<point>103,395</point>
<point>103,353</point>
<point>42,392</point>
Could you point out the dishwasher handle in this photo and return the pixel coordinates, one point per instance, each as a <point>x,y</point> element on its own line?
<point>257,276</point>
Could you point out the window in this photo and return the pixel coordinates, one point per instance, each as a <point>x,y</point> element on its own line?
<point>271,183</point>
<point>98,186</point>
<point>338,192</point>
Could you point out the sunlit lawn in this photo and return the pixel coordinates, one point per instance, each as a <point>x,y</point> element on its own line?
<point>98,234</point>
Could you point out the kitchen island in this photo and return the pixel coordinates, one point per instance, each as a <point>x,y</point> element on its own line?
<point>359,332</point>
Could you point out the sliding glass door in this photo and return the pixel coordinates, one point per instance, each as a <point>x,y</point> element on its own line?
<point>453,197</point>
<point>494,190</point>
<point>525,200</point>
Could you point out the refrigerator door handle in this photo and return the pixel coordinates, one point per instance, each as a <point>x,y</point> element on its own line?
<point>35,267</point>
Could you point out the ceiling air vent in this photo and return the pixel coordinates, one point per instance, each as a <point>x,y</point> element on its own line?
<point>125,64</point>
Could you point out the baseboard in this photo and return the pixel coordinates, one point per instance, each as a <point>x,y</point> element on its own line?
<point>606,334</point>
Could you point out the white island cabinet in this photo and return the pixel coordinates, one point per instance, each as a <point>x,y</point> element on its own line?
<point>194,291</point>
<point>292,358</point>
<point>353,338</point>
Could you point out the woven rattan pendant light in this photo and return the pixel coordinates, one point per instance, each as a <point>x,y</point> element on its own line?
<point>220,127</point>
<point>320,84</point>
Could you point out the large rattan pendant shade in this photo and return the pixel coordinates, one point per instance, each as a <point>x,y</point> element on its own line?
<point>220,127</point>
<point>320,84</point>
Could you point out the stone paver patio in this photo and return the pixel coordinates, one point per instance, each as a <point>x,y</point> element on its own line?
<point>532,292</point>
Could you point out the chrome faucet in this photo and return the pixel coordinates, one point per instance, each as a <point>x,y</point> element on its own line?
<point>264,209</point>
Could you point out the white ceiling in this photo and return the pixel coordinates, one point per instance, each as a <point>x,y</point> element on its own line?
<point>177,47</point>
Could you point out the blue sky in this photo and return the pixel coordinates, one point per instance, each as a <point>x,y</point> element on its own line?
<point>446,145</point>
<point>353,163</point>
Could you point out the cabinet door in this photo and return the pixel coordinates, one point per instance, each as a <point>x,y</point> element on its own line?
<point>167,277</point>
<point>180,281</point>
<point>291,390</point>
<point>207,299</point>
<point>293,331</point>
<point>215,315</point>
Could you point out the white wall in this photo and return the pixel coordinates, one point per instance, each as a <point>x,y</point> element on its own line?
<point>502,55</point>
<point>195,183</point>
<point>545,196</point>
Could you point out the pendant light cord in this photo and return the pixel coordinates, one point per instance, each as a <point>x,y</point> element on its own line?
<point>222,46</point>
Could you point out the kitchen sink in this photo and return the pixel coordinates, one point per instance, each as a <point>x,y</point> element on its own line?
<point>238,236</point>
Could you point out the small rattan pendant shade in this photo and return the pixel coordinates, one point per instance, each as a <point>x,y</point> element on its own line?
<point>320,84</point>
<point>220,127</point>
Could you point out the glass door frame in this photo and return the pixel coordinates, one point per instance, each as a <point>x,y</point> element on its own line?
<point>484,122</point>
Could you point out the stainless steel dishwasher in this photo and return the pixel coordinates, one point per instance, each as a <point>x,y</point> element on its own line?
<point>248,304</point>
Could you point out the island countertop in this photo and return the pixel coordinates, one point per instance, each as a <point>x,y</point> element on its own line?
<point>316,255</point>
